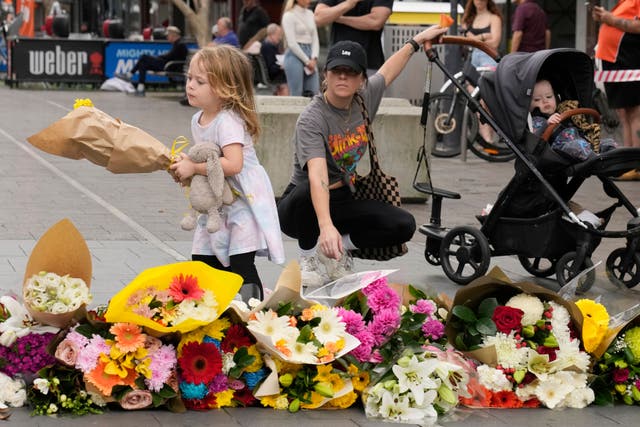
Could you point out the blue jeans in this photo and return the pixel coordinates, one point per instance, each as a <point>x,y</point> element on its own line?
<point>297,79</point>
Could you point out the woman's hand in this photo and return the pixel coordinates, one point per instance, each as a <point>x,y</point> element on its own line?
<point>430,35</point>
<point>330,242</point>
<point>312,65</point>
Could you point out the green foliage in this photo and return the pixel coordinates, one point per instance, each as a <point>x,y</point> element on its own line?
<point>472,326</point>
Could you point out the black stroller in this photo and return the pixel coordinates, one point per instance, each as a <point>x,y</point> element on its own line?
<point>531,217</point>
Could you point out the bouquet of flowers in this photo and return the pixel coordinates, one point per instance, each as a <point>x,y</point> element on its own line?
<point>60,390</point>
<point>313,335</point>
<point>219,365</point>
<point>12,393</point>
<point>525,338</point>
<point>175,297</point>
<point>418,388</point>
<point>306,386</point>
<point>26,356</point>
<point>121,363</point>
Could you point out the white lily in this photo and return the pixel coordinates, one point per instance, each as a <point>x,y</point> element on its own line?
<point>415,375</point>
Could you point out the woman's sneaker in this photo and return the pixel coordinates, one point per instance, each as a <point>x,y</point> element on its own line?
<point>339,268</point>
<point>311,275</point>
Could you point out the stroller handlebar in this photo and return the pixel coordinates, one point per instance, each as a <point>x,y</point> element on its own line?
<point>465,41</point>
<point>567,114</point>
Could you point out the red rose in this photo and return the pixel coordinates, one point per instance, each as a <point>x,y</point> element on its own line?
<point>507,319</point>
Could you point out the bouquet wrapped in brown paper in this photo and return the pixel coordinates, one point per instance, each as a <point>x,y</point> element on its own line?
<point>89,133</point>
<point>58,276</point>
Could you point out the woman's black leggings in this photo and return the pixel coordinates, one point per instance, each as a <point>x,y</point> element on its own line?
<point>370,223</point>
<point>242,264</point>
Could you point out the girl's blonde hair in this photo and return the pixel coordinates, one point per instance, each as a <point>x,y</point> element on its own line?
<point>288,5</point>
<point>230,74</point>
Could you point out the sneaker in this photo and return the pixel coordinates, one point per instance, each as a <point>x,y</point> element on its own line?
<point>311,275</point>
<point>139,93</point>
<point>124,76</point>
<point>339,268</point>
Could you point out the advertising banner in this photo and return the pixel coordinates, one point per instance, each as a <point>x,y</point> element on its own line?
<point>121,56</point>
<point>26,8</point>
<point>57,60</point>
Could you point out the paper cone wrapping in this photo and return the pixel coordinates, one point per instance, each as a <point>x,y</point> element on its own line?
<point>223,284</point>
<point>614,331</point>
<point>496,284</point>
<point>61,250</point>
<point>89,133</point>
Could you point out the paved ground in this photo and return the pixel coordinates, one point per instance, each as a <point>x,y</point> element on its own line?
<point>130,223</point>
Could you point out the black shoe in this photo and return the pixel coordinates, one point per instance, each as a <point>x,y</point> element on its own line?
<point>123,76</point>
<point>184,101</point>
<point>139,93</point>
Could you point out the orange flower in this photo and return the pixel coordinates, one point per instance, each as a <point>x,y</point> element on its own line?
<point>327,359</point>
<point>103,381</point>
<point>332,347</point>
<point>293,321</point>
<point>281,345</point>
<point>480,396</point>
<point>307,314</point>
<point>129,337</point>
<point>505,399</point>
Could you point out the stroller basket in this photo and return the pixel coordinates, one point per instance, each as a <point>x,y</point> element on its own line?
<point>545,236</point>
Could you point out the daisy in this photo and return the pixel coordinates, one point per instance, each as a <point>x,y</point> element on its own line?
<point>552,391</point>
<point>303,352</point>
<point>200,362</point>
<point>330,328</point>
<point>129,337</point>
<point>185,287</point>
<point>268,323</point>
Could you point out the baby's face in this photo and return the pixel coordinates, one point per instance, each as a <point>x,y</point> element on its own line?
<point>543,98</point>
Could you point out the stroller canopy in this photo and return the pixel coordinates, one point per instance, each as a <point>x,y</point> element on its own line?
<point>507,91</point>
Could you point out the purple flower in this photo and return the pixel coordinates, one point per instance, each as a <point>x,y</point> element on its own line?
<point>423,306</point>
<point>27,355</point>
<point>433,328</point>
<point>218,384</point>
<point>620,375</point>
<point>353,320</point>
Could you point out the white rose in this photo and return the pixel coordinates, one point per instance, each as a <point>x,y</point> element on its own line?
<point>42,385</point>
<point>59,308</point>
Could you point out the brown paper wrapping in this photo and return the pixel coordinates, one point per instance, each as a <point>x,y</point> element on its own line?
<point>89,133</point>
<point>61,250</point>
<point>497,284</point>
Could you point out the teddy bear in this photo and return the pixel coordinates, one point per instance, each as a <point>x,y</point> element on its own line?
<point>208,193</point>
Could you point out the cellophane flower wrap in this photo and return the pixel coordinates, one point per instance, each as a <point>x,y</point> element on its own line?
<point>176,297</point>
<point>526,339</point>
<point>121,363</point>
<point>617,368</point>
<point>219,365</point>
<point>309,386</point>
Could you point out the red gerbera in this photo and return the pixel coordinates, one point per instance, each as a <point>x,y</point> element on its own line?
<point>244,397</point>
<point>235,338</point>
<point>208,402</point>
<point>200,362</point>
<point>531,403</point>
<point>505,399</point>
<point>185,288</point>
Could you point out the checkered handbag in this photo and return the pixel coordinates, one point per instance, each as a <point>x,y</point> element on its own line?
<point>376,185</point>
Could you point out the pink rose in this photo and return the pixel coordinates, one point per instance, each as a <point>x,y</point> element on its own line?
<point>136,399</point>
<point>152,344</point>
<point>67,352</point>
<point>507,318</point>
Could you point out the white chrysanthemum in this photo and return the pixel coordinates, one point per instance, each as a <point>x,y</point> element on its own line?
<point>493,379</point>
<point>12,392</point>
<point>552,391</point>
<point>580,398</point>
<point>302,352</point>
<point>508,355</point>
<point>560,322</point>
<point>270,324</point>
<point>331,327</point>
<point>415,375</point>
<point>527,392</point>
<point>570,355</point>
<point>530,305</point>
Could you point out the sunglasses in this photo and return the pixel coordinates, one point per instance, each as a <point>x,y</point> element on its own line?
<point>347,71</point>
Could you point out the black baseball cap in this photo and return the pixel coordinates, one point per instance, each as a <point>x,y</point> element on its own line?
<point>347,53</point>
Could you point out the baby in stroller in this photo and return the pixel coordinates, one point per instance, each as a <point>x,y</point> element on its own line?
<point>570,140</point>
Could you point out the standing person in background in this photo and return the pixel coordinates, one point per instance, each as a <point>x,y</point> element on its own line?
<point>270,48</point>
<point>220,83</point>
<point>303,47</point>
<point>530,28</point>
<point>360,21</point>
<point>619,49</point>
<point>482,21</point>
<point>252,19</point>
<point>225,33</point>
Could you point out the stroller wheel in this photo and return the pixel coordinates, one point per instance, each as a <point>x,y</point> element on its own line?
<point>565,271</point>
<point>539,267</point>
<point>431,258</point>
<point>464,254</point>
<point>619,271</point>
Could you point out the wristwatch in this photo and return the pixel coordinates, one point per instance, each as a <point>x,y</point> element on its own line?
<point>414,44</point>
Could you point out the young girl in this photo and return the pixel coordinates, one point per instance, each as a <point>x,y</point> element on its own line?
<point>219,82</point>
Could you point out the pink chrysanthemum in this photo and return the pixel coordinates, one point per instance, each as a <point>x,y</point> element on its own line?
<point>355,323</point>
<point>88,358</point>
<point>423,306</point>
<point>363,351</point>
<point>383,298</point>
<point>433,329</point>
<point>384,324</point>
<point>163,362</point>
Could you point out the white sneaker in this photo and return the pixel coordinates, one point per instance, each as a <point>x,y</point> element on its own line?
<point>311,275</point>
<point>339,268</point>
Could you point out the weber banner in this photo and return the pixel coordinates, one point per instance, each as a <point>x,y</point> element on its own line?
<point>59,60</point>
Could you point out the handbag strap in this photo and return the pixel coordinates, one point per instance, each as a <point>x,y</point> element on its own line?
<point>373,153</point>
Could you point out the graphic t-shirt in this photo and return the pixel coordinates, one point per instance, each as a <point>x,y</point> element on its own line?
<point>334,134</point>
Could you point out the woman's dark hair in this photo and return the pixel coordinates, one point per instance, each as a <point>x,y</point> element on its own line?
<point>470,12</point>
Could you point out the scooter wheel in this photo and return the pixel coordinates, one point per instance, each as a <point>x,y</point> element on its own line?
<point>465,254</point>
<point>618,272</point>
<point>539,267</point>
<point>565,271</point>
